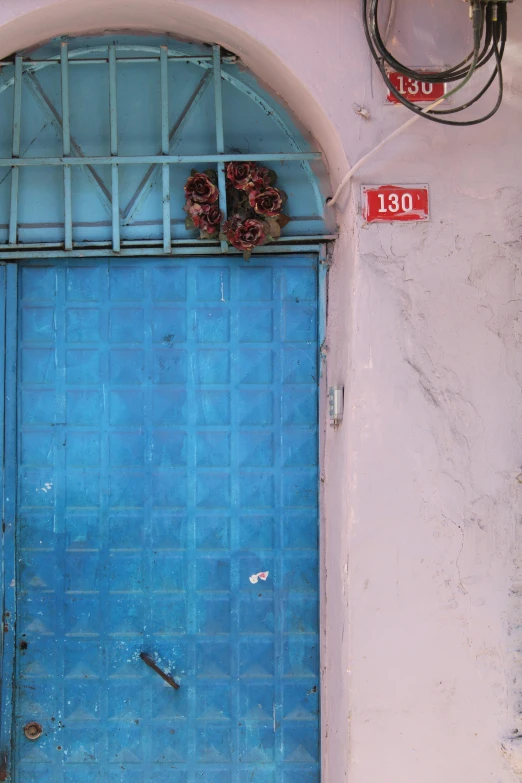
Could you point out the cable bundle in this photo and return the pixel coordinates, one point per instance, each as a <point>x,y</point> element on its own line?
<point>489,21</point>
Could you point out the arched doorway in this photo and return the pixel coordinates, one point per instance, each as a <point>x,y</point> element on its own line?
<point>160,426</point>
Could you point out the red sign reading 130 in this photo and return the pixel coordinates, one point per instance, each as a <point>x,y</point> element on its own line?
<point>395,203</point>
<point>413,90</point>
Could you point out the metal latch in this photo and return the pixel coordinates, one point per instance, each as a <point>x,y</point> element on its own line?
<point>336,400</point>
<point>155,668</point>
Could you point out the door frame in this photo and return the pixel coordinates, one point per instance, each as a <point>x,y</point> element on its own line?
<point>8,314</point>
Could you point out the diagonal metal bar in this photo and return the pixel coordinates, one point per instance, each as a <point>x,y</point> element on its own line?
<point>147,183</point>
<point>203,61</point>
<point>282,123</point>
<point>55,118</point>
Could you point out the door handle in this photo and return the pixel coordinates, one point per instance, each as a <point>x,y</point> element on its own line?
<point>155,668</point>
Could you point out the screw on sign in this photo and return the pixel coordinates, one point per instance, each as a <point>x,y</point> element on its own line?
<point>413,90</point>
<point>397,203</point>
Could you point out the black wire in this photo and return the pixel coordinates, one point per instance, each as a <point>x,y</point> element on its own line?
<point>395,64</point>
<point>494,32</point>
<point>452,74</point>
<point>373,34</point>
<point>483,90</point>
<point>463,123</point>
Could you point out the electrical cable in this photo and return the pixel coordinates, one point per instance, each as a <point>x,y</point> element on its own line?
<point>462,123</point>
<point>489,21</point>
<point>485,23</point>
<point>498,70</point>
<point>451,74</point>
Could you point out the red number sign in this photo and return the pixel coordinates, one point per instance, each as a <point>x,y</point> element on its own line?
<point>414,91</point>
<point>395,202</point>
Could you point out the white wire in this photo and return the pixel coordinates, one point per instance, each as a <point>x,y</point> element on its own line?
<point>391,19</point>
<point>347,177</point>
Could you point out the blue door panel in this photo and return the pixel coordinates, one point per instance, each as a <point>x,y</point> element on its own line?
<point>167,504</point>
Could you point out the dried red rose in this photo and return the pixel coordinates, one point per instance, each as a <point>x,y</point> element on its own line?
<point>211,220</point>
<point>245,234</point>
<point>267,202</point>
<point>261,180</point>
<point>240,174</point>
<point>231,225</point>
<point>201,189</point>
<point>206,217</point>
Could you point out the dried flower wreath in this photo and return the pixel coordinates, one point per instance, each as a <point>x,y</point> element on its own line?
<point>254,206</point>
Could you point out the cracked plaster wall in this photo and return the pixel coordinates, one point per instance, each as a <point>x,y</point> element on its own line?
<point>436,425</point>
<point>421,502</point>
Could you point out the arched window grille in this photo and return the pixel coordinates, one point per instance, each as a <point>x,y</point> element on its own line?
<point>105,132</point>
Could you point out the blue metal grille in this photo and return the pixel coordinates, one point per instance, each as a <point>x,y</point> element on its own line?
<point>104,136</point>
<point>167,450</point>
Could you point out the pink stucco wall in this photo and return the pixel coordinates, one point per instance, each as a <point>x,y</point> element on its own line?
<point>421,514</point>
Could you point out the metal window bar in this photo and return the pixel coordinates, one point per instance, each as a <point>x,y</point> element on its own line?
<point>281,122</point>
<point>93,160</point>
<point>35,88</point>
<point>113,111</point>
<point>165,144</point>
<point>195,59</point>
<point>161,161</point>
<point>282,242</point>
<point>175,135</point>
<point>66,144</point>
<point>183,244</point>
<point>15,172</point>
<point>220,137</point>
<point>152,252</point>
<point>201,61</point>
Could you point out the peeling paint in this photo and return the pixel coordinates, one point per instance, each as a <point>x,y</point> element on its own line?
<point>263,575</point>
<point>46,487</point>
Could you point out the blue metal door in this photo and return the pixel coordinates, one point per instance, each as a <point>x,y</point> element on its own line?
<point>166,422</point>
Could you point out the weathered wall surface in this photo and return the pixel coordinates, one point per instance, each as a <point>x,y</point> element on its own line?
<point>422,507</point>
